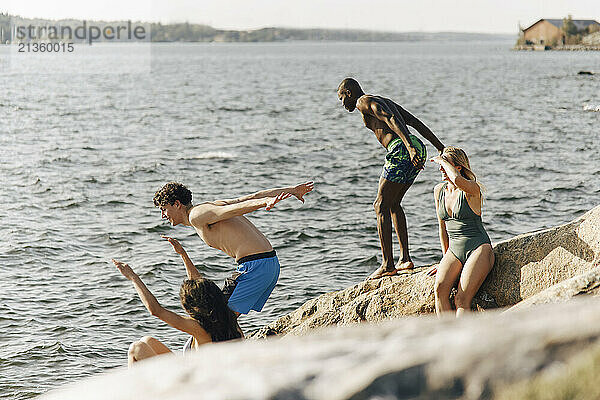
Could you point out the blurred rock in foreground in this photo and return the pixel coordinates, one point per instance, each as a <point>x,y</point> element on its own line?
<point>480,356</point>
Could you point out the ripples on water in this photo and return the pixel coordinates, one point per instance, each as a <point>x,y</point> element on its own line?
<point>83,154</point>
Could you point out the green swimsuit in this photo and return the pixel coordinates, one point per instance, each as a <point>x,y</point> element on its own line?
<point>464,227</point>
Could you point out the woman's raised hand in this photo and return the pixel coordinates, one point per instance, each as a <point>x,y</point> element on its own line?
<point>124,269</point>
<point>175,243</point>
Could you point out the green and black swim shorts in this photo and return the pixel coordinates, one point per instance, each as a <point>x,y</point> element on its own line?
<point>398,167</point>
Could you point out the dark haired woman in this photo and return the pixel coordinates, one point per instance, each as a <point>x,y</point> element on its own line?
<point>209,318</point>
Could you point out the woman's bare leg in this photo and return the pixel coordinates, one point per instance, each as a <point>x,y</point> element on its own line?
<point>141,350</point>
<point>476,269</point>
<point>156,345</point>
<point>447,274</point>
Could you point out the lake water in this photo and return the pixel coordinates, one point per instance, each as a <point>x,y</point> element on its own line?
<point>82,155</point>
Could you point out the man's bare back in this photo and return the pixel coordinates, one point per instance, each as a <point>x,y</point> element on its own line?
<point>237,237</point>
<point>382,131</point>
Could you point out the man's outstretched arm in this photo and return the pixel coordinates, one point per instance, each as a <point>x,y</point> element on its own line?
<point>421,128</point>
<point>298,191</point>
<point>211,213</point>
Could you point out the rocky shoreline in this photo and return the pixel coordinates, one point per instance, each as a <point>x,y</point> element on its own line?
<point>525,266</point>
<point>539,329</point>
<point>540,47</point>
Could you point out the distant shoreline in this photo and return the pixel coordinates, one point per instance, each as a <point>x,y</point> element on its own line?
<point>197,33</point>
<point>573,47</point>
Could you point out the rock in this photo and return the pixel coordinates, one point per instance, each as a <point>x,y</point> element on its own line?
<point>416,357</point>
<point>525,265</point>
<point>575,380</point>
<point>409,293</point>
<point>529,263</point>
<point>584,284</point>
<point>591,107</point>
<point>373,301</point>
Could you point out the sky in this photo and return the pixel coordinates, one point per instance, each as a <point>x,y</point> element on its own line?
<point>486,16</point>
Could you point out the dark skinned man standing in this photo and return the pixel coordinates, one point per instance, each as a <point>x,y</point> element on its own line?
<point>405,158</point>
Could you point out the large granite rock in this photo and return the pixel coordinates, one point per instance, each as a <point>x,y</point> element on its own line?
<point>410,358</point>
<point>372,301</point>
<point>409,293</point>
<point>530,263</point>
<point>525,265</point>
<point>584,284</point>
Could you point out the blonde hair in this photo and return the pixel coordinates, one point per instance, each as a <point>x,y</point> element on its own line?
<point>457,156</point>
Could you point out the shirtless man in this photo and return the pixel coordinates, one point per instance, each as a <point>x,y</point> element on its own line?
<point>405,158</point>
<point>222,225</point>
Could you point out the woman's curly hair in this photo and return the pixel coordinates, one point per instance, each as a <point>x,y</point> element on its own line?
<point>203,300</point>
<point>171,192</point>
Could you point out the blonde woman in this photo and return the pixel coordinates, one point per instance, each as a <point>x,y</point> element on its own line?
<point>468,255</point>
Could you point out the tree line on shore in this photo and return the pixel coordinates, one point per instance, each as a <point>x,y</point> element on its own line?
<point>188,32</point>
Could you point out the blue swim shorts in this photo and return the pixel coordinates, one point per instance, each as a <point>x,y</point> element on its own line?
<point>398,167</point>
<point>253,282</point>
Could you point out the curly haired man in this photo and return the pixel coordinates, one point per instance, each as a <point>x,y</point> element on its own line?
<point>221,224</point>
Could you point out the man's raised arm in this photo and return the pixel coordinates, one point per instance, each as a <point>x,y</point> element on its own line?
<point>298,191</point>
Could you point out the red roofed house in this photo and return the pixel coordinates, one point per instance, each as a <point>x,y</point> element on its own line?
<point>549,31</point>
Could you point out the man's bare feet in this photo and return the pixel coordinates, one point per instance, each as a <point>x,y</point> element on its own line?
<point>381,272</point>
<point>401,266</point>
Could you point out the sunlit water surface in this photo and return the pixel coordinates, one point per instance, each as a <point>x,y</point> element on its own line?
<point>81,156</point>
